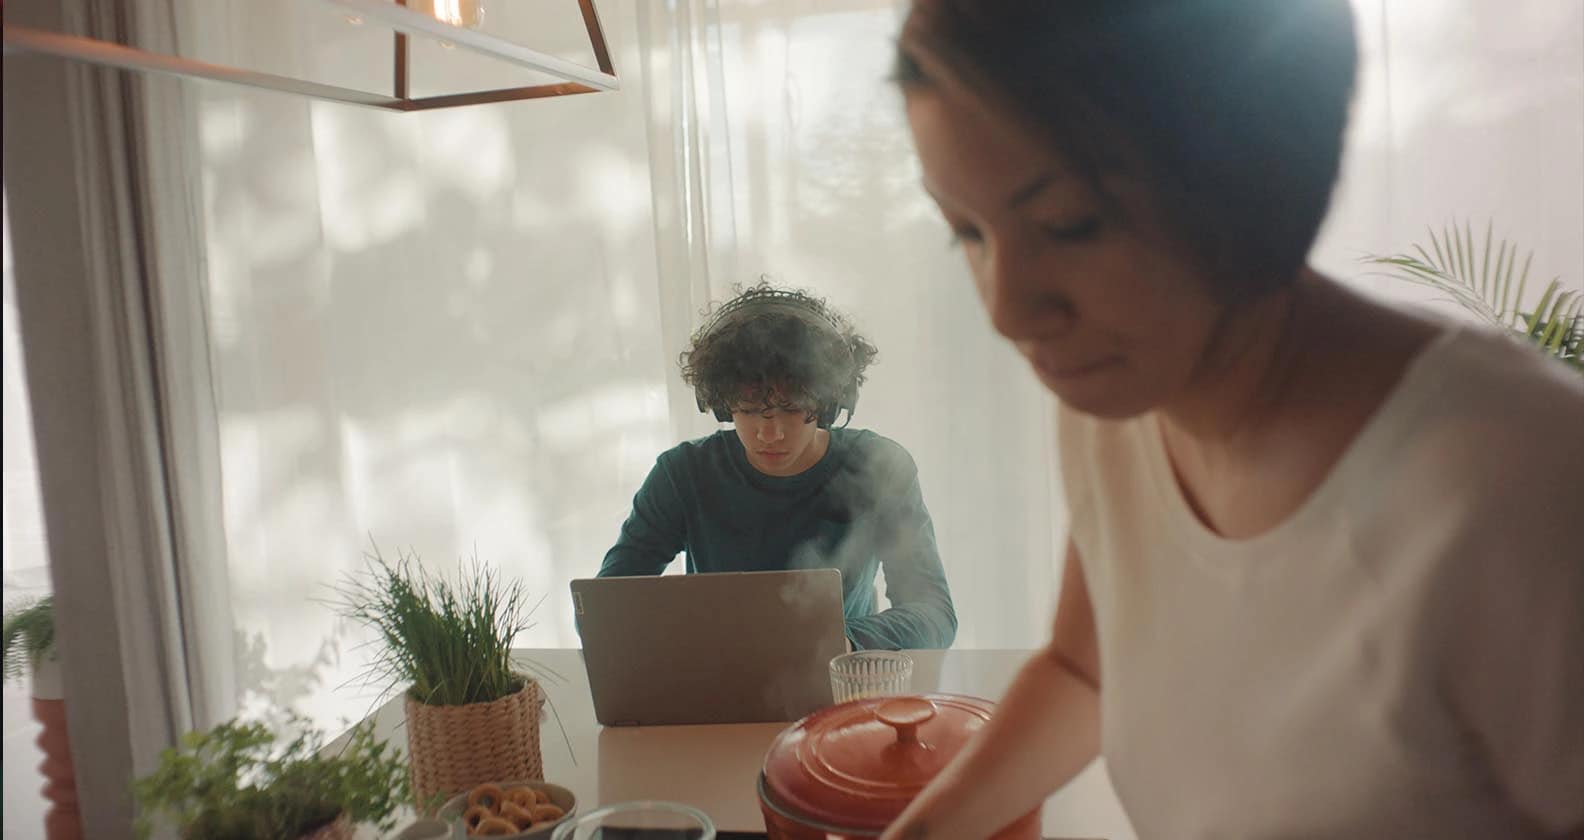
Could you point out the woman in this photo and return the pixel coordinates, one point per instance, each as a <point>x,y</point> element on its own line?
<point>1324,576</point>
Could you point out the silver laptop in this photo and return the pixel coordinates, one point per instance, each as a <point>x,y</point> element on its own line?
<point>731,647</point>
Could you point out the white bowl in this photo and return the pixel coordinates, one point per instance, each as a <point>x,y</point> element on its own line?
<point>424,829</point>
<point>456,806</point>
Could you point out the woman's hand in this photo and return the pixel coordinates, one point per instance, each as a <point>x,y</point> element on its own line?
<point>1045,730</point>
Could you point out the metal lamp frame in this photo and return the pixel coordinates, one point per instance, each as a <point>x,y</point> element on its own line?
<point>405,22</point>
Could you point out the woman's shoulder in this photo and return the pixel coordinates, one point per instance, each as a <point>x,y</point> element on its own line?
<point>1400,382</point>
<point>1489,432</point>
<point>1506,361</point>
<point>1486,393</point>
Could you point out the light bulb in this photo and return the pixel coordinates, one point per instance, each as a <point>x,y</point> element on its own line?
<point>468,14</point>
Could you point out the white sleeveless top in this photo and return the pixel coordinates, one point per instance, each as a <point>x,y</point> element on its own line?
<point>1403,657</point>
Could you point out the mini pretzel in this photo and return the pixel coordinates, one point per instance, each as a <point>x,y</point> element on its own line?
<point>496,827</point>
<point>485,796</point>
<point>547,813</point>
<point>475,815</point>
<point>523,797</point>
<point>519,815</point>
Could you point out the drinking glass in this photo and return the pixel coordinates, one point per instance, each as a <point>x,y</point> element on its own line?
<point>870,673</point>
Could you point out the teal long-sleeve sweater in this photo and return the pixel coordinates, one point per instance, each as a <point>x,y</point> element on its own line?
<point>859,509</point>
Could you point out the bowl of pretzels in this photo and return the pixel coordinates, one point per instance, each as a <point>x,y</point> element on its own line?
<point>525,809</point>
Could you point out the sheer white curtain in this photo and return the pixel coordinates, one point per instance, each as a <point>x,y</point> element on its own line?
<point>457,331</point>
<point>801,169</point>
<point>435,332</point>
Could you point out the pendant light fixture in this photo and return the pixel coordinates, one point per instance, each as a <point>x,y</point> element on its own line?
<point>454,23</point>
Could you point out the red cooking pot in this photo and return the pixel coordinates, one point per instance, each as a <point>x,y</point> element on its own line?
<point>847,771</point>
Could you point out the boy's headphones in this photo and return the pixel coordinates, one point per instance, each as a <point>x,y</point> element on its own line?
<point>805,310</point>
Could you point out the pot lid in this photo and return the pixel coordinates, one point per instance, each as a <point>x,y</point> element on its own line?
<point>857,765</point>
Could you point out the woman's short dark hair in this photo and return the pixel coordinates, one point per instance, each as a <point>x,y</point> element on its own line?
<point>781,348</point>
<point>1230,112</point>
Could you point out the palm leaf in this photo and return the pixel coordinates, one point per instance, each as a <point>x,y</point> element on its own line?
<point>1557,325</point>
<point>1486,281</point>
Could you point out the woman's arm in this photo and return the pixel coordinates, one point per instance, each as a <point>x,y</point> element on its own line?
<point>1045,730</point>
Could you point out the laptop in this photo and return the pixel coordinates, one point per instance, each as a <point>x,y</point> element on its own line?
<point>728,647</point>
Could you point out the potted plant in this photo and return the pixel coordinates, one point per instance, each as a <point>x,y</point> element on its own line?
<point>233,783</point>
<point>29,641</point>
<point>1490,284</point>
<point>472,717</point>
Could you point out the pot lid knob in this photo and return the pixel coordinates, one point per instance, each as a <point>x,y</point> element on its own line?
<point>906,715</point>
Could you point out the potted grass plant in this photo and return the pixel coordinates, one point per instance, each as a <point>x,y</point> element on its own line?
<point>472,716</point>
<point>1490,279</point>
<point>234,782</point>
<point>29,642</point>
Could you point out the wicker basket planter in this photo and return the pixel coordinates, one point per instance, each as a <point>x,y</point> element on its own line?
<point>454,748</point>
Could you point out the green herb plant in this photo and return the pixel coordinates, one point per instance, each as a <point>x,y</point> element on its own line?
<point>449,641</point>
<point>232,783</point>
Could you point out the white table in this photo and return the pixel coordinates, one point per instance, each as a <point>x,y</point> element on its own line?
<point>714,767</point>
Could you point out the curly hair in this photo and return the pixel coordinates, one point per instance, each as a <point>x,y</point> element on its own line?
<point>782,348</point>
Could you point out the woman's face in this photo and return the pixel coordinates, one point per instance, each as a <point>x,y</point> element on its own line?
<point>1110,312</point>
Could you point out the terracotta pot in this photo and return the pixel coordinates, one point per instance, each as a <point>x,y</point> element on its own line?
<point>62,821</point>
<point>452,749</point>
<point>847,771</point>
